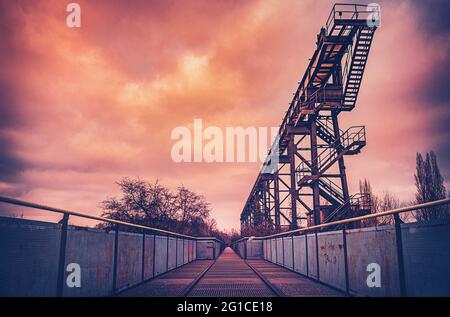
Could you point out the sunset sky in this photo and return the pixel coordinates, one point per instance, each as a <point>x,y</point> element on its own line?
<point>80,108</point>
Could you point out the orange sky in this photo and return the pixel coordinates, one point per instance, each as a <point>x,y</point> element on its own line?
<point>82,108</point>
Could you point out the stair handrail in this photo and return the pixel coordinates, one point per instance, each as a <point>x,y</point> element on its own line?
<point>332,185</point>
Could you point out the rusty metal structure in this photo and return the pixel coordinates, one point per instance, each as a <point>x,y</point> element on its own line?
<point>308,184</point>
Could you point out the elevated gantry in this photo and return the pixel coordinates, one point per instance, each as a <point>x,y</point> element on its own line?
<point>309,182</point>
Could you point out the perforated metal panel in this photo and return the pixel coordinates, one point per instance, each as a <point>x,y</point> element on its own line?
<point>93,250</point>
<point>172,258</point>
<point>186,251</point>
<point>129,263</point>
<point>29,254</point>
<point>300,254</point>
<point>287,250</point>
<point>160,255</point>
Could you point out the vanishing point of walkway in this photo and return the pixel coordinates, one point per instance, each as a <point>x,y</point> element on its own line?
<point>231,276</point>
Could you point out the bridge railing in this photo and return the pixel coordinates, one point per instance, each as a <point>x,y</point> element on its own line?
<point>34,255</point>
<point>411,259</point>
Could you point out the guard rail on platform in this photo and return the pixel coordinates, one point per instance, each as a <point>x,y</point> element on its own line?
<point>36,258</point>
<point>412,259</point>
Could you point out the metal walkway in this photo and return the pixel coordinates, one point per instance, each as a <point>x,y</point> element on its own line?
<point>231,276</point>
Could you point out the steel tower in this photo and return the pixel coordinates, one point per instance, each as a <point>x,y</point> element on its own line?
<point>309,183</point>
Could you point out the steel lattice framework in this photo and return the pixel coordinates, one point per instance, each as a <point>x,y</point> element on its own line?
<point>309,182</point>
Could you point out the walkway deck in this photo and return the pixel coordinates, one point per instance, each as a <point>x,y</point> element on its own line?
<point>231,276</point>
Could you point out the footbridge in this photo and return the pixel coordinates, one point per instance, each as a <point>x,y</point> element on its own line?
<point>57,259</point>
<point>326,241</point>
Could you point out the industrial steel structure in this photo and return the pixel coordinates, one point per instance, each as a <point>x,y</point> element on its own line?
<point>308,181</point>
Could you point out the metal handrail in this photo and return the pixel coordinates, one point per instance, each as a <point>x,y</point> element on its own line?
<point>347,139</point>
<point>332,186</point>
<point>440,202</point>
<point>24,203</point>
<point>358,199</point>
<point>353,8</point>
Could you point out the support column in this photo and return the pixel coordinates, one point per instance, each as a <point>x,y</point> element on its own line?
<point>314,172</point>
<point>291,150</point>
<point>341,164</point>
<point>276,201</point>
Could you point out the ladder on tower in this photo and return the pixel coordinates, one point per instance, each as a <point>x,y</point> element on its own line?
<point>357,66</point>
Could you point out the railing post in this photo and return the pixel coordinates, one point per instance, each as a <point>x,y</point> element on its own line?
<point>182,260</point>
<point>317,257</point>
<point>282,248</point>
<point>400,259</point>
<point>293,256</point>
<point>62,255</point>
<point>176,252</point>
<point>167,254</point>
<point>143,254</point>
<point>154,255</point>
<point>116,255</point>
<point>344,239</point>
<point>276,251</point>
<point>306,258</point>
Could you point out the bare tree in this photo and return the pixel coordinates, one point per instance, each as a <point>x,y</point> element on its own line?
<point>371,200</point>
<point>430,187</point>
<point>378,203</point>
<point>154,205</point>
<point>387,201</point>
<point>190,207</point>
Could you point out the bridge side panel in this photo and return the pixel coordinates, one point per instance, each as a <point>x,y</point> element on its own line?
<point>427,258</point>
<point>267,249</point>
<point>375,245</point>
<point>179,250</point>
<point>254,249</point>
<point>190,250</point>
<point>194,251</point>
<point>205,250</point>
<point>287,252</point>
<point>186,251</point>
<point>331,259</point>
<point>172,253</point>
<point>241,249</point>
<point>29,253</point>
<point>148,257</point>
<point>160,255</point>
<point>264,249</point>
<point>279,249</point>
<point>93,251</point>
<point>273,250</point>
<point>129,264</point>
<point>312,256</point>
<point>300,254</point>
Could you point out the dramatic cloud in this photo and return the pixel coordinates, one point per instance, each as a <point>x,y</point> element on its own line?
<point>82,108</point>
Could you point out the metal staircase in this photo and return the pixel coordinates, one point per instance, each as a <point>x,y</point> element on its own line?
<point>356,205</point>
<point>350,143</point>
<point>354,73</point>
<point>324,132</point>
<point>331,191</point>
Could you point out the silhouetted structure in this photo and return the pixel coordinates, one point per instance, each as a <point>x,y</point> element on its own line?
<point>309,181</point>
